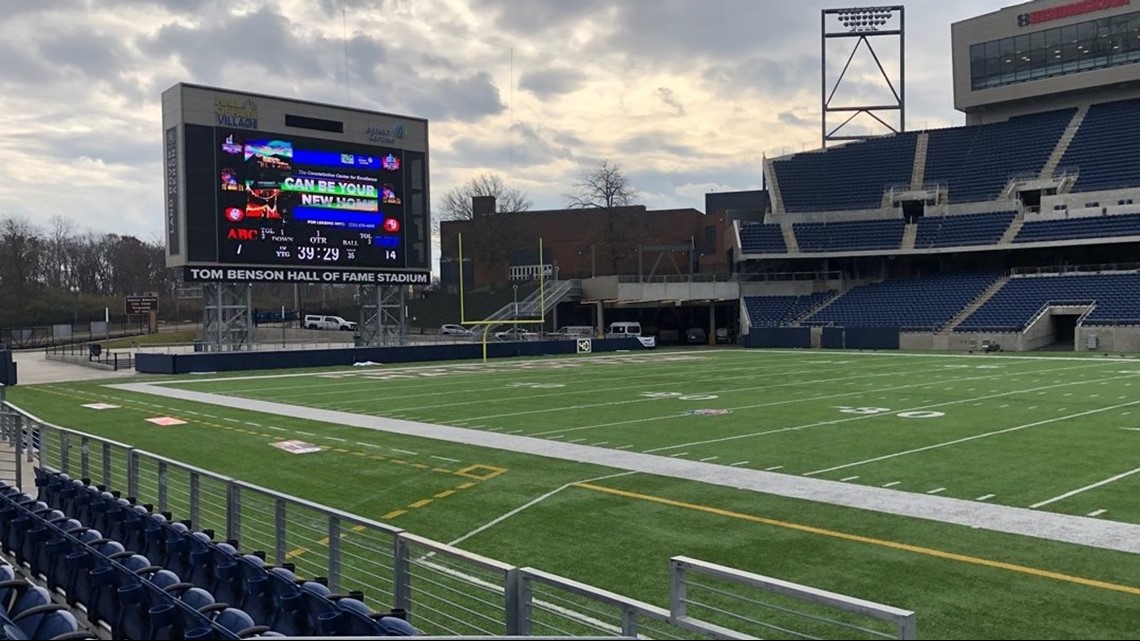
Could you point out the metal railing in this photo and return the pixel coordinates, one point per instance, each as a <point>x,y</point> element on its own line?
<point>91,355</point>
<point>446,591</point>
<point>719,595</point>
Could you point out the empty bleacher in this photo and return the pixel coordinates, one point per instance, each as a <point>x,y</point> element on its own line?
<point>1103,152</point>
<point>964,230</point>
<point>1081,227</point>
<point>771,311</point>
<point>850,235</point>
<point>919,304</point>
<point>1116,297</point>
<point>762,238</point>
<point>137,574</point>
<point>850,177</point>
<point>975,163</point>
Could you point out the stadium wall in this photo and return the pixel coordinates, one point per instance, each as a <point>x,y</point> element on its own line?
<point>1108,339</point>
<point>241,361</point>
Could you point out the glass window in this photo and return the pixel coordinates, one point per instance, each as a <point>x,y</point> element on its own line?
<point>1093,44</point>
<point>977,64</point>
<point>1021,58</point>
<point>1086,42</point>
<point>1008,61</point>
<point>1053,51</point>
<point>993,64</point>
<point>1038,58</point>
<point>1070,54</point>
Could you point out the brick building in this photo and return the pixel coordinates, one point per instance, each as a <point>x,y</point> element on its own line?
<point>580,243</point>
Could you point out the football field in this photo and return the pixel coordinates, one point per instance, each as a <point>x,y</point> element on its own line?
<point>1045,435</point>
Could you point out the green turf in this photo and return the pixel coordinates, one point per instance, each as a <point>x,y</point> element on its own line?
<point>1025,431</point>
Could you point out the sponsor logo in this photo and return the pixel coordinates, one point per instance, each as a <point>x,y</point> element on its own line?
<point>379,133</point>
<point>235,112</point>
<point>1068,10</point>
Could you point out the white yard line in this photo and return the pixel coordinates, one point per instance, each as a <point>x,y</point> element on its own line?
<point>849,478</point>
<point>1098,533</point>
<point>985,497</point>
<point>499,519</point>
<point>1085,488</point>
<point>892,484</point>
<point>1097,513</point>
<point>773,468</point>
<point>937,490</point>
<point>738,463</point>
<point>862,417</point>
<point>968,439</point>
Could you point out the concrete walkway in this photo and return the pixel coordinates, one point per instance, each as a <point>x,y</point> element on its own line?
<point>1109,535</point>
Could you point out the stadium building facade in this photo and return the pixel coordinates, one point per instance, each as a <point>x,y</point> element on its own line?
<point>1043,55</point>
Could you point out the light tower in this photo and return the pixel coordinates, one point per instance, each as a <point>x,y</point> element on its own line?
<point>863,24</point>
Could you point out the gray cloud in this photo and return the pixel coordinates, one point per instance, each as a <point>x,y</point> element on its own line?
<point>539,17</point>
<point>548,83</point>
<point>670,99</point>
<point>789,118</point>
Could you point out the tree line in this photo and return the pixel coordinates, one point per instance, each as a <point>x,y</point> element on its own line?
<point>49,273</point>
<point>53,272</point>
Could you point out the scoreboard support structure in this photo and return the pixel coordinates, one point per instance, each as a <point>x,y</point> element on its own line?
<point>383,316</point>
<point>227,317</point>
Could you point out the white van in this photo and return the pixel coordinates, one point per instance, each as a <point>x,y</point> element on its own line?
<point>624,330</point>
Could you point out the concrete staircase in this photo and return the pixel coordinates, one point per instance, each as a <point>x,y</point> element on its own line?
<point>537,304</point>
<point>790,238</point>
<point>973,307</point>
<point>1014,227</point>
<point>1063,144</point>
<point>774,187</point>
<point>910,233</point>
<point>918,173</point>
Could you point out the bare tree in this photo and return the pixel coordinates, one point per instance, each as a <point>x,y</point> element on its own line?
<point>604,187</point>
<point>491,239</point>
<point>455,203</point>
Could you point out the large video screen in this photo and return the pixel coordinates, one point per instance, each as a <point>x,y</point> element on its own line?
<point>289,200</point>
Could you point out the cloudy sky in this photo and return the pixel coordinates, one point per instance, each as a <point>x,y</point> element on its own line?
<point>685,95</point>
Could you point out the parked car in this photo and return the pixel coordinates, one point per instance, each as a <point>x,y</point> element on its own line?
<point>454,330</point>
<point>516,334</point>
<point>318,321</point>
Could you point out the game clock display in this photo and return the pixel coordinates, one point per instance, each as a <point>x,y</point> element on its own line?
<point>287,200</point>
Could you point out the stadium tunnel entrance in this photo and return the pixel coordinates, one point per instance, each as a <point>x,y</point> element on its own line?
<point>672,322</point>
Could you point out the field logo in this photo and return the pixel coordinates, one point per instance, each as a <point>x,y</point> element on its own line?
<point>296,447</point>
<point>708,412</point>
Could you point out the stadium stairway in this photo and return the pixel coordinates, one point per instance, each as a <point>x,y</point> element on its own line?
<point>790,238</point>
<point>918,173</point>
<point>774,188</point>
<point>978,302</point>
<point>1062,146</point>
<point>811,310</point>
<point>1013,229</point>
<point>910,233</point>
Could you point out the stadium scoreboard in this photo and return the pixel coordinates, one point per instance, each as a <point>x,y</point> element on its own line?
<point>269,189</point>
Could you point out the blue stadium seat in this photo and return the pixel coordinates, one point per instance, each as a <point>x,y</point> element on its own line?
<point>918,304</point>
